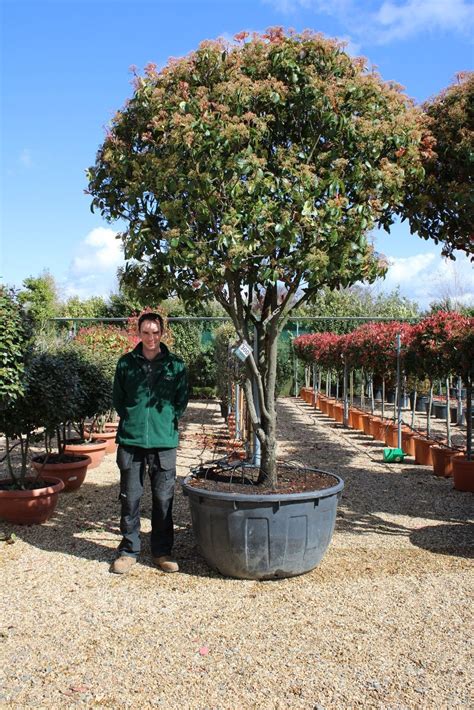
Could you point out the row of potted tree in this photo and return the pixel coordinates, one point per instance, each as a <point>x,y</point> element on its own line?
<point>435,348</point>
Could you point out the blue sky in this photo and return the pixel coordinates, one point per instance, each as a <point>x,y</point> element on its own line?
<point>65,71</point>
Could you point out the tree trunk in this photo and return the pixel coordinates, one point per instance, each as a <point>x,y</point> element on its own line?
<point>469,418</point>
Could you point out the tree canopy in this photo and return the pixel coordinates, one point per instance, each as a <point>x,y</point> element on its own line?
<point>251,164</point>
<point>442,207</point>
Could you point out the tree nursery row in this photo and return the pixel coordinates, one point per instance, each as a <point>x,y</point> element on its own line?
<point>380,357</point>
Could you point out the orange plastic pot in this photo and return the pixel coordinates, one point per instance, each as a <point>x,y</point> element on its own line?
<point>366,420</point>
<point>72,474</point>
<point>391,435</point>
<point>111,426</point>
<point>30,507</point>
<point>94,449</point>
<point>408,445</point>
<point>463,473</point>
<point>339,412</point>
<point>357,419</point>
<point>442,460</point>
<point>109,436</point>
<point>423,454</point>
<point>377,428</point>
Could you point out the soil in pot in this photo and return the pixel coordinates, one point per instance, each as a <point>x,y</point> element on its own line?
<point>69,468</point>
<point>32,506</point>
<point>243,479</point>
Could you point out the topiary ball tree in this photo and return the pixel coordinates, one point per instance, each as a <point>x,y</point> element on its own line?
<point>251,173</point>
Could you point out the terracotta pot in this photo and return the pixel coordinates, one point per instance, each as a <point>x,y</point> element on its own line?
<point>408,445</point>
<point>423,451</point>
<point>442,460</point>
<point>94,449</point>
<point>30,507</point>
<point>72,474</point>
<point>463,473</point>
<point>109,437</point>
<point>323,404</point>
<point>330,410</point>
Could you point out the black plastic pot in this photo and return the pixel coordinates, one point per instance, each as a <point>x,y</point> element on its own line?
<point>421,402</point>
<point>263,536</point>
<point>439,410</point>
<point>464,415</point>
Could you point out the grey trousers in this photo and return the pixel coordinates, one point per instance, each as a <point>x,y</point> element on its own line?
<point>133,462</point>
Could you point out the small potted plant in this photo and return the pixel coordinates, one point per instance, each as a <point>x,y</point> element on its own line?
<point>24,498</point>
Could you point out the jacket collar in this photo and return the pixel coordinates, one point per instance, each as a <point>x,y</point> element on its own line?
<point>137,352</point>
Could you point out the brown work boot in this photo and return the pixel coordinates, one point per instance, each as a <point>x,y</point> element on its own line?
<point>166,563</point>
<point>123,564</point>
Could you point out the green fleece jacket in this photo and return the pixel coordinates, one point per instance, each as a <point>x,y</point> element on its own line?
<point>149,397</point>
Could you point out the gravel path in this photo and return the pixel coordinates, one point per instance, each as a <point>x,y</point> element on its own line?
<point>384,622</point>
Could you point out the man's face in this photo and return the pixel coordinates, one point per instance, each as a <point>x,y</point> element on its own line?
<point>150,335</point>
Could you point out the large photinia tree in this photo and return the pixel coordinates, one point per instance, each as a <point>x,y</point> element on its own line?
<point>251,173</point>
<point>442,207</point>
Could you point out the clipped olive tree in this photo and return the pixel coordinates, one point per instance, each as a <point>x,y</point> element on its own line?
<point>251,173</point>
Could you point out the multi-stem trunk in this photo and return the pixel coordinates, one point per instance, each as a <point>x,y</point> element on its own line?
<point>260,389</point>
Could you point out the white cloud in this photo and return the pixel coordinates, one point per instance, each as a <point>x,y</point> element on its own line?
<point>100,251</point>
<point>428,277</point>
<point>398,21</point>
<point>93,270</point>
<point>384,22</point>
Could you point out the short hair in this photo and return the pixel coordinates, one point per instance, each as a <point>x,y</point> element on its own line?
<point>153,317</point>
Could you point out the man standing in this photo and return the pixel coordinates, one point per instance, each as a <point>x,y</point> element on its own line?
<point>150,394</point>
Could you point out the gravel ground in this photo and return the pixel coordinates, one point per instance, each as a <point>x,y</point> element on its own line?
<point>384,622</point>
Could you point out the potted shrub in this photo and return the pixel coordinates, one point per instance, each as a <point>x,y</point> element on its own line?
<point>431,356</point>
<point>94,400</point>
<point>24,498</point>
<point>55,389</point>
<point>251,173</point>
